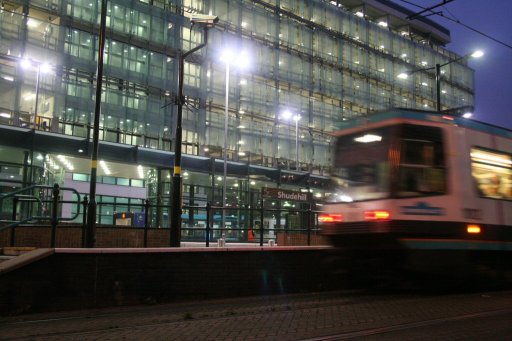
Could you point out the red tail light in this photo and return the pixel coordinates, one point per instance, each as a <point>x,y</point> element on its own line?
<point>376,215</point>
<point>330,218</point>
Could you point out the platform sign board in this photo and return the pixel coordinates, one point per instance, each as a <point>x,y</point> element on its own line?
<point>123,218</point>
<point>139,219</point>
<point>284,194</point>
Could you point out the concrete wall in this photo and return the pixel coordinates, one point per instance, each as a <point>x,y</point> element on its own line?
<point>66,279</point>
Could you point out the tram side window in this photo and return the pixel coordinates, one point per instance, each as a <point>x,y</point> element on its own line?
<point>422,165</point>
<point>492,173</point>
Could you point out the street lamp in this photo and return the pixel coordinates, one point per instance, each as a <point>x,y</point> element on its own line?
<point>437,67</point>
<point>242,61</point>
<point>287,115</point>
<point>207,21</point>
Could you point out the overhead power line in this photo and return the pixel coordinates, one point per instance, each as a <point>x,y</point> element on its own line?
<point>413,16</point>
<point>428,9</point>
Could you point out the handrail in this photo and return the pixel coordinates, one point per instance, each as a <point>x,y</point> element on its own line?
<point>38,217</point>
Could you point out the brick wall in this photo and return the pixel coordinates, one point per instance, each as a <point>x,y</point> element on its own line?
<point>120,237</point>
<point>78,279</point>
<point>300,239</point>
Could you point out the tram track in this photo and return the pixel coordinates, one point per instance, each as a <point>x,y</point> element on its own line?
<point>337,315</point>
<point>402,327</point>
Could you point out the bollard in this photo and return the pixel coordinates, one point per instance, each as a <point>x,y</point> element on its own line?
<point>55,195</point>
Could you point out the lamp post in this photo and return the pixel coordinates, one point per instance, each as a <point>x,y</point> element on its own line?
<point>228,57</point>
<point>176,202</point>
<point>90,236</point>
<point>437,68</point>
<point>287,115</point>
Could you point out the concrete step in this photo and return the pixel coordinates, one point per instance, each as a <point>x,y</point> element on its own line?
<point>4,258</point>
<point>15,250</point>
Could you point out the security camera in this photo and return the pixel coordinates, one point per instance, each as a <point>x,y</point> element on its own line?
<point>203,19</point>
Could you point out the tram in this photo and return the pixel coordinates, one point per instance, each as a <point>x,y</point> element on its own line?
<point>408,179</point>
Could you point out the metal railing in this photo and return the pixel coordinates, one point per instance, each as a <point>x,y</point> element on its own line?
<point>200,224</point>
<point>25,214</point>
<point>243,224</point>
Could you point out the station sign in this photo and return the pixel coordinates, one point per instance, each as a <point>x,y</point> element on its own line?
<point>284,194</point>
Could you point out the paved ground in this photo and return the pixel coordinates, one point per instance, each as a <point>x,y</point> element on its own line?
<point>325,316</point>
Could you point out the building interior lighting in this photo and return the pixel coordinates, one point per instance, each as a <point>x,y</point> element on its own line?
<point>104,167</point>
<point>403,75</point>
<point>33,23</point>
<point>65,162</point>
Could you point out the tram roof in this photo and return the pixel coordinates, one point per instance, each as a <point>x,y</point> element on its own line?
<point>429,116</point>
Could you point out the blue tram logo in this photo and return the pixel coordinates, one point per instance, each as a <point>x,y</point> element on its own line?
<point>422,208</point>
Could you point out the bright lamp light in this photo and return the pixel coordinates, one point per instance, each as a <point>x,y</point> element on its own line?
<point>477,54</point>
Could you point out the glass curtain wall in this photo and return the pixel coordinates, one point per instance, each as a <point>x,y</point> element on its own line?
<point>314,58</point>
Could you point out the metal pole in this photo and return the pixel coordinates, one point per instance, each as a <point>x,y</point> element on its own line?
<point>175,234</point>
<point>36,126</point>
<point>309,224</point>
<point>55,194</point>
<point>91,212</point>
<point>226,111</point>
<point>438,86</point>
<point>84,222</point>
<point>208,217</point>
<point>176,203</point>
<point>14,213</point>
<point>146,217</point>
<point>297,142</point>
<point>261,222</point>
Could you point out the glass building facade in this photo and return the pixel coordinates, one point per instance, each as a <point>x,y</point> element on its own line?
<point>325,61</point>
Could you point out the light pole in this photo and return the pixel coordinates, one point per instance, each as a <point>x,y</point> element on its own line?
<point>175,235</point>
<point>437,68</point>
<point>90,236</point>
<point>228,57</point>
<point>287,115</point>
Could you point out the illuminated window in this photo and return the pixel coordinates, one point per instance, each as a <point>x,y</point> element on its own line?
<point>492,172</point>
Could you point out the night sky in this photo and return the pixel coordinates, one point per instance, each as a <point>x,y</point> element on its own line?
<point>493,71</point>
